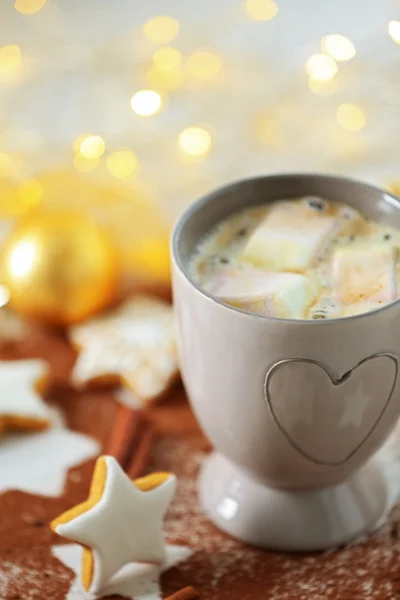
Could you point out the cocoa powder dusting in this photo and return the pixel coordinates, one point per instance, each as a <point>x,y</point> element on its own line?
<point>224,569</point>
<point>220,567</point>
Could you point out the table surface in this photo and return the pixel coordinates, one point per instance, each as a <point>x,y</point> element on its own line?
<point>220,567</point>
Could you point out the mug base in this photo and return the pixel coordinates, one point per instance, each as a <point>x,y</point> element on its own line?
<point>304,521</point>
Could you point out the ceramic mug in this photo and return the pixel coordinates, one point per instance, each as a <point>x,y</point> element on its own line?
<point>293,408</point>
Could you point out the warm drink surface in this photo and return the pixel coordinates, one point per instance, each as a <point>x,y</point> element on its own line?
<point>220,568</point>
<point>301,258</point>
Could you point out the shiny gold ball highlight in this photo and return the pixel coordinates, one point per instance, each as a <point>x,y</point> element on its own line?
<point>59,267</point>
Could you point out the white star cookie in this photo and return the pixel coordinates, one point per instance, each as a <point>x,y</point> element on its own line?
<point>140,581</point>
<point>51,453</point>
<point>120,522</point>
<point>21,406</point>
<point>134,345</point>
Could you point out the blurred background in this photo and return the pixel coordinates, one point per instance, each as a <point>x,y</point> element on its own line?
<point>126,111</point>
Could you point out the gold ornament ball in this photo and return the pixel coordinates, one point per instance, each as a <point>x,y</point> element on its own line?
<point>59,267</point>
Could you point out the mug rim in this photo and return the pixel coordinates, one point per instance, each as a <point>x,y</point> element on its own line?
<point>198,204</point>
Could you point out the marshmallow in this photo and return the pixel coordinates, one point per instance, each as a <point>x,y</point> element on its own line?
<point>364,277</point>
<point>290,237</point>
<point>285,295</point>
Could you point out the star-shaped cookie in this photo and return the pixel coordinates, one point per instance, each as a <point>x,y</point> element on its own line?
<point>21,407</point>
<point>134,345</point>
<point>120,522</point>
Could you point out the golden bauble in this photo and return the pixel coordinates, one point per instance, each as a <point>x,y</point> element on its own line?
<point>127,213</point>
<point>59,267</point>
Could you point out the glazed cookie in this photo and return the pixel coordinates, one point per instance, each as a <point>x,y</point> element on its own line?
<point>120,522</point>
<point>133,345</point>
<point>21,407</point>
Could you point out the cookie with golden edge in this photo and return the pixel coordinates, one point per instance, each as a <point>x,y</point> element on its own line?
<point>22,383</point>
<point>134,345</point>
<point>121,521</point>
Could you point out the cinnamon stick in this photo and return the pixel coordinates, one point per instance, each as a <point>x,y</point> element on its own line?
<point>129,432</point>
<point>141,452</point>
<point>187,593</point>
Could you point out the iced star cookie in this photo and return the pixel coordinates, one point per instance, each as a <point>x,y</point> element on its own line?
<point>133,345</point>
<point>120,522</point>
<point>21,384</point>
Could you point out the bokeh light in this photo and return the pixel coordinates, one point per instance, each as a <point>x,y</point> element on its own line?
<point>167,59</point>
<point>28,7</point>
<point>30,192</point>
<point>267,130</point>
<point>195,141</point>
<point>166,81</point>
<point>85,165</point>
<point>161,29</point>
<point>10,62</point>
<point>322,88</point>
<point>350,117</point>
<point>204,65</point>
<point>78,141</point>
<point>260,10</point>
<point>146,102</point>
<point>394,31</point>
<point>321,68</point>
<point>92,146</point>
<point>122,163</point>
<point>338,46</point>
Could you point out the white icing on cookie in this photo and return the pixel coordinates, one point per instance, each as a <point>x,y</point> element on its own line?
<point>139,581</point>
<point>18,396</point>
<point>37,463</point>
<point>135,344</point>
<point>125,525</point>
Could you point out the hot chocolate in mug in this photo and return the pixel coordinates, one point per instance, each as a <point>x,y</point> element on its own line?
<point>295,409</point>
